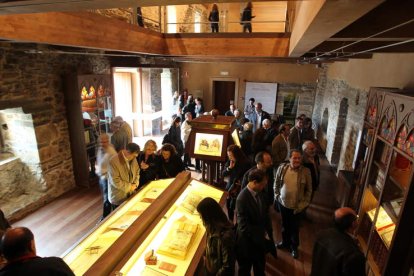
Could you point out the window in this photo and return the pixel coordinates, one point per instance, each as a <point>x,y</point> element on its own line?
<point>171,19</point>
<point>197,24</point>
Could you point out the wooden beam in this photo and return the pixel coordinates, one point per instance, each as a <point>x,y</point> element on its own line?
<point>81,29</point>
<point>318,20</point>
<point>89,30</point>
<point>228,47</point>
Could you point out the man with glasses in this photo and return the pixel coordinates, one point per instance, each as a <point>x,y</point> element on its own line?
<point>123,175</point>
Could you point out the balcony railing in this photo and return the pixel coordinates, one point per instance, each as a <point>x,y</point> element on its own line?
<point>194,18</point>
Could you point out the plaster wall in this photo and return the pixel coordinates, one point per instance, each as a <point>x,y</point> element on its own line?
<point>196,77</point>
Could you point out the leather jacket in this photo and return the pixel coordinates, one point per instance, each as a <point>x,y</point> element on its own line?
<point>220,253</point>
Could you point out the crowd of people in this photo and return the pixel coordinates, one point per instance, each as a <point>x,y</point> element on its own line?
<point>284,175</point>
<point>277,166</point>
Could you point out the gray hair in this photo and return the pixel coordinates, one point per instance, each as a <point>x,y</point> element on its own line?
<point>266,122</point>
<point>306,144</point>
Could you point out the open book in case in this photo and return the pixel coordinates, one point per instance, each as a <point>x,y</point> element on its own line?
<point>386,208</point>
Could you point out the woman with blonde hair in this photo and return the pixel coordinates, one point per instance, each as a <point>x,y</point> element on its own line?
<point>147,163</point>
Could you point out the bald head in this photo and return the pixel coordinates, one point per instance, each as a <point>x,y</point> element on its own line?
<point>345,218</point>
<point>17,242</point>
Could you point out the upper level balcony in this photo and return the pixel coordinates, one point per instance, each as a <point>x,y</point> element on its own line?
<point>269,17</point>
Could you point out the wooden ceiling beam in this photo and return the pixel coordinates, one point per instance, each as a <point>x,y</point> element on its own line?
<point>80,29</point>
<point>228,47</point>
<point>318,20</point>
<point>88,30</point>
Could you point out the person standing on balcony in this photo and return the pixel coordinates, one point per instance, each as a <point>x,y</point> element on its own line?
<point>214,19</point>
<point>247,18</point>
<point>140,20</point>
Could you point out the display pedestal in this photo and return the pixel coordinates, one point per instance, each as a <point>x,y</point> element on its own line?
<point>209,138</point>
<point>212,173</point>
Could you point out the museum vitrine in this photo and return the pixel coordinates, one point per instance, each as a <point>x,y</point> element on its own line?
<point>210,137</point>
<point>89,104</point>
<point>387,205</point>
<point>160,219</point>
<point>371,121</point>
<point>174,243</point>
<point>93,246</point>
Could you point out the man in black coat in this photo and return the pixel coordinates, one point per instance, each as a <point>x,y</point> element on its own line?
<point>19,249</point>
<point>253,222</point>
<point>336,252</point>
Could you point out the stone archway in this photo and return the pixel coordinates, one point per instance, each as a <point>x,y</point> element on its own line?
<point>339,133</point>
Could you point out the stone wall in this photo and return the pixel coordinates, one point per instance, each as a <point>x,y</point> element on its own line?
<point>345,107</point>
<point>32,106</point>
<point>185,15</point>
<point>125,14</point>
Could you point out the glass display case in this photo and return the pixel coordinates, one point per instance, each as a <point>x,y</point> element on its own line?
<point>92,247</point>
<point>176,239</point>
<point>209,137</point>
<point>386,218</point>
<point>366,138</point>
<point>159,221</point>
<point>89,103</point>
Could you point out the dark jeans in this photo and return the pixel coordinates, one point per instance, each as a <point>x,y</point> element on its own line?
<point>231,205</point>
<point>107,207</point>
<point>214,27</point>
<point>257,260</point>
<point>247,27</point>
<point>290,227</point>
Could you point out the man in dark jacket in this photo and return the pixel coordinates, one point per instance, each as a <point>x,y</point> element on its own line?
<point>335,252</point>
<point>253,222</point>
<point>18,247</point>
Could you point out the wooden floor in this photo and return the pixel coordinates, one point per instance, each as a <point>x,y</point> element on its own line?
<point>66,220</point>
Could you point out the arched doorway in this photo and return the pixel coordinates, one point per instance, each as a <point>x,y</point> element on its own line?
<point>339,133</point>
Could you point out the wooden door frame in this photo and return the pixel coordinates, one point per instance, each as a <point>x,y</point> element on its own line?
<point>236,89</point>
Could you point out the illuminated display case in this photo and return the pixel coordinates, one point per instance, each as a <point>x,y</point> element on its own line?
<point>210,137</point>
<point>387,205</point>
<point>148,220</point>
<point>365,142</point>
<point>92,247</point>
<point>89,107</point>
<point>176,239</point>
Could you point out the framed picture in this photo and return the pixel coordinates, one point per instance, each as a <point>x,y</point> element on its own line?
<point>208,144</point>
<point>235,136</point>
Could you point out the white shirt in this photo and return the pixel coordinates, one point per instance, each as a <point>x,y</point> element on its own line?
<point>185,131</point>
